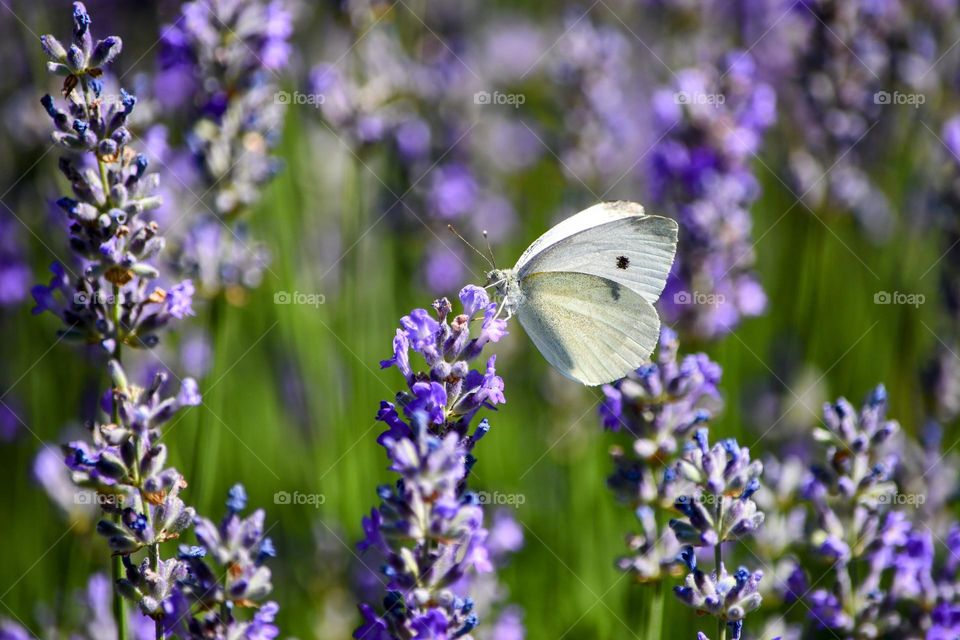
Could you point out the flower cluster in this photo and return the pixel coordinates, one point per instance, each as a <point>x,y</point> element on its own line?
<point>665,407</point>
<point>428,529</point>
<point>221,58</point>
<point>124,462</point>
<point>719,594</point>
<point>712,127</point>
<point>850,544</point>
<point>658,406</point>
<point>854,530</point>
<point>219,67</point>
<point>718,507</point>
<point>227,571</point>
<point>111,301</point>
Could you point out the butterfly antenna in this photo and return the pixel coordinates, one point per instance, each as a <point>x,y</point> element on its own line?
<point>493,259</point>
<point>466,242</point>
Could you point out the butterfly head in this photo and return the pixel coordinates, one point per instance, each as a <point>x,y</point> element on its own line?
<point>506,286</point>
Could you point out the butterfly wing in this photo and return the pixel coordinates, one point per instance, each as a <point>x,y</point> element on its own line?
<point>612,240</point>
<point>593,330</point>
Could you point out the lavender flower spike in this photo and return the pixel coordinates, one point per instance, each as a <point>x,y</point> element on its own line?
<point>720,506</point>
<point>228,572</point>
<point>717,504</point>
<point>111,302</point>
<point>427,533</point>
<point>657,406</point>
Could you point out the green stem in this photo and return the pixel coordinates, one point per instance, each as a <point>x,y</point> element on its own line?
<point>116,327</point>
<point>718,559</point>
<point>119,613</point>
<point>119,607</point>
<point>153,550</point>
<point>655,614</point>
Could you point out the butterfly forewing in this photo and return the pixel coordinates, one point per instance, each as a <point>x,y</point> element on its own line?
<point>615,241</point>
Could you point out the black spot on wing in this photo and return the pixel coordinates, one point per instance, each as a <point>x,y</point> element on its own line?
<point>623,262</point>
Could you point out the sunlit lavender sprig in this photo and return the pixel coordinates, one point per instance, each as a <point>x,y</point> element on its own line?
<point>659,406</point>
<point>111,301</point>
<point>428,531</point>
<point>228,571</point>
<point>855,531</point>
<point>717,507</point>
<point>713,120</point>
<point>124,462</point>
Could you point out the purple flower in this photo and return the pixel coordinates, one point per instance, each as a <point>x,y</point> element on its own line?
<point>453,191</point>
<point>179,300</point>
<point>474,300</point>
<point>728,597</point>
<point>107,298</point>
<point>421,329</point>
<point>189,395</point>
<point>429,398</point>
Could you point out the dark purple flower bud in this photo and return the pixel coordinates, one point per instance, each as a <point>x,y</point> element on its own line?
<point>105,51</point>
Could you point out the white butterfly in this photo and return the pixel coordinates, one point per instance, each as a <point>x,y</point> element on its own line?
<point>584,290</point>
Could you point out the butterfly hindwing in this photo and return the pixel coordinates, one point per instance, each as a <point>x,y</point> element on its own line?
<point>592,329</point>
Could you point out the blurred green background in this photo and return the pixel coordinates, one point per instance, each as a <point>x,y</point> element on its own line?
<point>290,400</point>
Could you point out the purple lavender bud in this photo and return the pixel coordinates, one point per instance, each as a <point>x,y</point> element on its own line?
<point>105,51</point>
<point>52,47</point>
